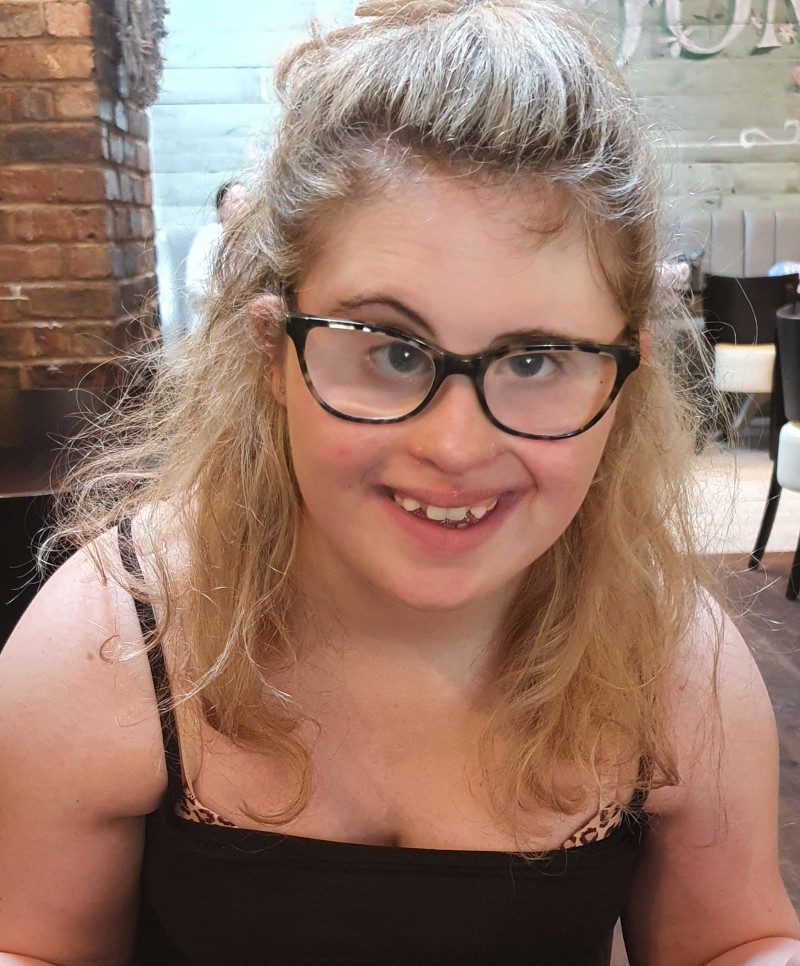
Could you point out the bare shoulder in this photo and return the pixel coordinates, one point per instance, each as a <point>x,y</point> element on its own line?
<point>709,880</point>
<point>61,685</point>
<point>81,763</point>
<point>715,699</point>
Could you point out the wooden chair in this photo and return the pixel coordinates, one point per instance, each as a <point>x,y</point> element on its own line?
<point>784,434</point>
<point>740,324</point>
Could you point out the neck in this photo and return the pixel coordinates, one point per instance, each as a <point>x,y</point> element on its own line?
<point>356,617</point>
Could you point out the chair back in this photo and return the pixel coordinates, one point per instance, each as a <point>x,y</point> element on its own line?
<point>787,324</point>
<point>741,242</point>
<point>743,310</point>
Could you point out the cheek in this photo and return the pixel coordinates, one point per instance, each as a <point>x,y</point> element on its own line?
<point>563,470</point>
<point>330,455</point>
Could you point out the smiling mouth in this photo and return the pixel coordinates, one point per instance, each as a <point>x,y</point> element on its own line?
<point>451,518</point>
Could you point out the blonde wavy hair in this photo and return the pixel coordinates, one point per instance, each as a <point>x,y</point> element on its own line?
<point>510,91</point>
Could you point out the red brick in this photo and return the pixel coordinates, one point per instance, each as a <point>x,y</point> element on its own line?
<point>106,73</point>
<point>122,228</point>
<point>138,123</point>
<point>50,142</point>
<point>10,312</point>
<point>132,253</point>
<point>141,157</point>
<point>35,340</point>
<point>13,303</point>
<point>91,341</point>
<point>21,262</point>
<point>7,106</point>
<point>20,20</point>
<point>9,378</point>
<point>136,224</point>
<point>138,189</point>
<point>47,62</point>
<point>64,372</point>
<point>50,183</point>
<point>16,342</point>
<point>147,260</point>
<point>106,109</point>
<point>42,223</point>
<point>68,19</point>
<point>75,100</point>
<point>87,261</point>
<point>137,263</point>
<point>111,180</point>
<point>79,184</point>
<point>92,224</point>
<point>121,116</point>
<point>25,104</point>
<point>30,224</point>
<point>136,294</point>
<point>7,226</point>
<point>126,187</point>
<point>117,148</point>
<point>116,258</point>
<point>70,301</point>
<point>25,184</point>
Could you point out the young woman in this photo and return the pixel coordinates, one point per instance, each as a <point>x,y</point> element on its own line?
<point>403,547</point>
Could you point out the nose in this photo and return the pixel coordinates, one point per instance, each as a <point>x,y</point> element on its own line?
<point>452,432</point>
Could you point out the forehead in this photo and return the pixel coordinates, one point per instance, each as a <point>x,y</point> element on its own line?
<point>472,261</point>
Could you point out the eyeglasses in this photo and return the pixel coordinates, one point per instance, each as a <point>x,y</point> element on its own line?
<point>379,374</point>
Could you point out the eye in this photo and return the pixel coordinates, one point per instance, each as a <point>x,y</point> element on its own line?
<point>532,364</point>
<point>399,358</point>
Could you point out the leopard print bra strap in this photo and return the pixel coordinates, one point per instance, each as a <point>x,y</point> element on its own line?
<point>158,667</point>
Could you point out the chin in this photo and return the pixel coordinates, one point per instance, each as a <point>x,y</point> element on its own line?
<point>441,593</point>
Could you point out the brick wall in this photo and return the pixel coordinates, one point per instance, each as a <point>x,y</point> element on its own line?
<point>76,253</point>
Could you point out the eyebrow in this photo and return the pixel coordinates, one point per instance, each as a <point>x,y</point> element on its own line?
<point>526,334</point>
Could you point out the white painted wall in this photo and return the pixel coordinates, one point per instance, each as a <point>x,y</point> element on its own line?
<point>216,105</point>
<point>217,102</point>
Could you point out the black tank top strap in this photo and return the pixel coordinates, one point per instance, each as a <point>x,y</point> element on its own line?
<point>158,667</point>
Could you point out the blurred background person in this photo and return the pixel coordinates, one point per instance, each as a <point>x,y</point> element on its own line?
<point>231,197</point>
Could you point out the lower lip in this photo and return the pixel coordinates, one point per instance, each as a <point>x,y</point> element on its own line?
<point>436,540</point>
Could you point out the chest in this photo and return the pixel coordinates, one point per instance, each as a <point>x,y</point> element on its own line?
<point>401,773</point>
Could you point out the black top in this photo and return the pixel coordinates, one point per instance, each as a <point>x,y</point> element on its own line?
<point>212,896</point>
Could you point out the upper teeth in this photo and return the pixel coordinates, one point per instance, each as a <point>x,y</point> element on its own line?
<point>444,513</point>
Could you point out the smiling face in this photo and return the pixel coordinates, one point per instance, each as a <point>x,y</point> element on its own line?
<point>452,265</point>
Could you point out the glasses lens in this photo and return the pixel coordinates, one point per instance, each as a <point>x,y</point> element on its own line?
<point>549,392</point>
<point>367,374</point>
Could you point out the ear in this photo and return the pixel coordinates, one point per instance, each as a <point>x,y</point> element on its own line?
<point>264,312</point>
